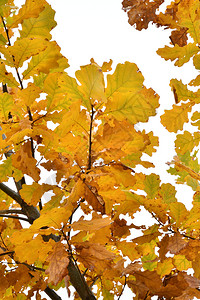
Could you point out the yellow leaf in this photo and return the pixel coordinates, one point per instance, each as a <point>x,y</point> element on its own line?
<point>24,161</point>
<point>175,118</point>
<point>40,26</point>
<point>181,92</point>
<point>178,212</point>
<point>33,193</point>
<point>6,105</point>
<point>180,54</point>
<point>75,120</point>
<point>53,218</point>
<point>128,249</point>
<point>28,251</point>
<point>187,16</point>
<point>151,185</point>
<point>92,85</point>
<point>6,169</point>
<point>6,77</point>
<point>136,106</point>
<point>31,8</point>
<point>69,85</point>
<point>126,78</point>
<point>168,193</point>
<point>29,94</point>
<point>165,267</point>
<point>186,141</point>
<point>22,50</point>
<point>44,61</point>
<point>181,262</point>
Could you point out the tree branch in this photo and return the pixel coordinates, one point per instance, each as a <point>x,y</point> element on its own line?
<point>90,140</point>
<point>12,211</point>
<point>78,281</point>
<point>14,217</point>
<point>31,212</point>
<point>122,289</point>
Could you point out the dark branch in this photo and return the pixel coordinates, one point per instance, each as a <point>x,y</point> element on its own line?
<point>90,140</point>
<point>14,217</point>
<point>7,253</point>
<point>12,211</point>
<point>31,212</point>
<point>122,289</point>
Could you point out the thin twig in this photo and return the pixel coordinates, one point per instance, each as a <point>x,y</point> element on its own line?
<point>12,211</point>
<point>71,217</point>
<point>7,253</point>
<point>14,217</point>
<point>122,289</point>
<point>9,43</point>
<point>170,229</point>
<point>90,140</point>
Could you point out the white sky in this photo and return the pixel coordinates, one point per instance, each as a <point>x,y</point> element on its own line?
<point>100,29</point>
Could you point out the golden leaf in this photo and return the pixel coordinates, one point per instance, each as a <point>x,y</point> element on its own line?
<point>44,61</point>
<point>31,8</point>
<point>40,26</point>
<point>175,118</point>
<point>92,85</point>
<point>126,78</point>
<point>181,54</point>
<point>94,224</point>
<point>22,50</point>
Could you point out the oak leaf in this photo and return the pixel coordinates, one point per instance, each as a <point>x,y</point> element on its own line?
<point>175,118</point>
<point>44,61</point>
<point>31,8</point>
<point>181,55</point>
<point>40,26</point>
<point>176,243</point>
<point>58,262</point>
<point>22,50</point>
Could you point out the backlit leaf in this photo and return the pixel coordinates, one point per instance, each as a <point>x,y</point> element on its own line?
<point>175,118</point>
<point>31,8</point>
<point>22,50</point>
<point>44,61</point>
<point>152,183</point>
<point>178,212</point>
<point>40,26</point>
<point>135,106</point>
<point>165,267</point>
<point>181,54</point>
<point>92,85</point>
<point>126,78</point>
<point>181,262</point>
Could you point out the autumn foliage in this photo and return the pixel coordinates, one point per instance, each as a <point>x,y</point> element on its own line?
<point>83,129</point>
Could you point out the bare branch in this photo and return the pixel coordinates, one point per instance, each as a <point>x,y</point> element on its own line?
<point>122,289</point>
<point>14,217</point>
<point>12,211</point>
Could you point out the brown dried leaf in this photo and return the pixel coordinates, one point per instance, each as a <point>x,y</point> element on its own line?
<point>59,261</point>
<point>176,243</point>
<point>141,12</point>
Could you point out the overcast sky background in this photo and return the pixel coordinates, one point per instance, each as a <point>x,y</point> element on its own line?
<point>100,29</point>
